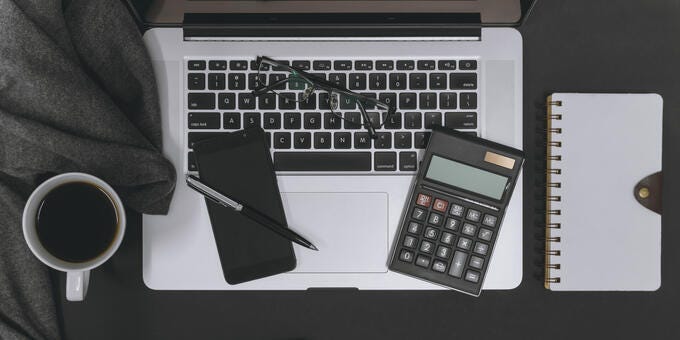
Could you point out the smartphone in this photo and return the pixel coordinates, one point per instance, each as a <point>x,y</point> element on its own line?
<point>239,165</point>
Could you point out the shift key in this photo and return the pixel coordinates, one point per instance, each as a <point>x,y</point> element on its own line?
<point>201,101</point>
<point>461,120</point>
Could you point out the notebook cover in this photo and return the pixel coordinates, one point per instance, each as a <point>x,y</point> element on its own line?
<point>606,240</point>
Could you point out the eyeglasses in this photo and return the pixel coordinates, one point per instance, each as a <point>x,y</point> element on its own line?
<point>273,76</point>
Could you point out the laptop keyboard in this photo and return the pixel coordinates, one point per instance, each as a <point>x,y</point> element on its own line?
<point>305,136</point>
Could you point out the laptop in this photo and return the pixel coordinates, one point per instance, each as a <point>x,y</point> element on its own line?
<point>451,63</point>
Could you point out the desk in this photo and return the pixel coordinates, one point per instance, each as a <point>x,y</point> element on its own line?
<point>570,45</point>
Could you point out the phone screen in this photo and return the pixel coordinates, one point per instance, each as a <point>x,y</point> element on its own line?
<point>239,165</point>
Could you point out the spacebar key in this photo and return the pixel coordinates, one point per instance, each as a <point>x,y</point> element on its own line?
<point>322,161</point>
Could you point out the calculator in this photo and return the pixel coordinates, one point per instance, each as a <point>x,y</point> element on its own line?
<point>455,210</point>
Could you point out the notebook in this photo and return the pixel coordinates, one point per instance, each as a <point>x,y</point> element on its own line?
<point>603,192</point>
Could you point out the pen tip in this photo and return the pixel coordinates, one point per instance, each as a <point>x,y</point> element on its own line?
<point>312,247</point>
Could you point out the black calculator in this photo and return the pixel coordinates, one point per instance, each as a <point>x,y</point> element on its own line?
<point>455,210</point>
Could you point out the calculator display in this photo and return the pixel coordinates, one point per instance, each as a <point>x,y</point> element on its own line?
<point>466,177</point>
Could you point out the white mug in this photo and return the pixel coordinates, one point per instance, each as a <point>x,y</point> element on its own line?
<point>77,274</point>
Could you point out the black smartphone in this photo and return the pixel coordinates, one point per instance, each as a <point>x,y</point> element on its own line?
<point>239,165</point>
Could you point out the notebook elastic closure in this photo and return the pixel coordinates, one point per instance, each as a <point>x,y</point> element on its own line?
<point>648,192</point>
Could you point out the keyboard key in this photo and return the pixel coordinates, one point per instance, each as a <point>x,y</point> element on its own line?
<point>447,100</point>
<point>322,140</point>
<point>251,119</point>
<point>385,161</point>
<point>312,120</point>
<point>408,161</point>
<point>423,261</point>
<point>489,220</point>
<point>456,210</point>
<point>281,140</point>
<point>472,276</point>
<point>253,82</point>
<point>437,81</point>
<point>347,103</point>
<point>435,219</point>
<point>406,256</point>
<point>196,64</point>
<point>443,252</point>
<point>384,141</point>
<point>226,101</point>
<point>433,119</point>
<point>196,81</point>
<point>377,81</point>
<point>468,100</point>
<point>301,64</point>
<point>428,101</point>
<point>384,65</point>
<point>469,229</point>
<point>481,248</point>
<point>447,64</point>
<point>331,121</point>
<point>321,65</point>
<point>272,120</point>
<point>463,81</point>
<point>338,79</point>
<point>232,120</point>
<point>397,81</point>
<point>421,139</point>
<point>458,264</point>
<point>266,101</point>
<point>447,238</point>
<point>352,120</point>
<point>362,140</point>
<point>307,104</point>
<point>464,243</point>
<point>254,66</point>
<point>426,64</point>
<point>431,233</point>
<point>374,119</point>
<point>195,137</point>
<point>322,161</point>
<point>393,121</point>
<point>407,100</point>
<point>468,64</point>
<point>414,228</point>
<point>413,120</point>
<point>204,120</point>
<point>363,65</point>
<point>461,120</point>
<point>402,140</point>
<point>485,234</point>
<point>439,266</point>
<point>388,98</point>
<point>418,214</point>
<point>427,247</point>
<point>246,101</point>
<point>343,140</point>
<point>217,64</point>
<point>281,68</point>
<point>191,162</point>
<point>357,81</point>
<point>473,215</point>
<point>238,65</point>
<point>440,205</point>
<point>410,241</point>
<point>302,140</point>
<point>405,64</point>
<point>476,262</point>
<point>216,81</point>
<point>342,65</point>
<point>424,200</point>
<point>201,101</point>
<point>417,81</point>
<point>292,120</point>
<point>452,224</point>
<point>287,101</point>
<point>237,81</point>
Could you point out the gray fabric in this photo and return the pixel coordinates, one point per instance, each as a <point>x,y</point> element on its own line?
<point>77,93</point>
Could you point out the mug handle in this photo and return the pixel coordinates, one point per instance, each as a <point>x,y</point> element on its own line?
<point>76,285</point>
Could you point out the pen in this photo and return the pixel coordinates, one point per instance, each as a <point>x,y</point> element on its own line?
<point>194,183</point>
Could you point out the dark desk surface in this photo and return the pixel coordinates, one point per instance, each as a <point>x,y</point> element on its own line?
<point>570,45</point>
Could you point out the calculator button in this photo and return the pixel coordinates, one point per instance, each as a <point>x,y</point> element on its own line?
<point>473,215</point>
<point>458,264</point>
<point>426,247</point>
<point>447,238</point>
<point>469,229</point>
<point>439,266</point>
<point>485,234</point>
<point>410,241</point>
<point>452,223</point>
<point>440,205</point>
<point>423,261</point>
<point>481,248</point>
<point>457,210</point>
<point>443,252</point>
<point>489,220</point>
<point>424,200</point>
<point>476,262</point>
<point>418,214</point>
<point>406,256</point>
<point>472,276</point>
<point>414,228</point>
<point>435,219</point>
<point>431,233</point>
<point>464,243</point>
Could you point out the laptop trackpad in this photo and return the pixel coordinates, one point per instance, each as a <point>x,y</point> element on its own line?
<point>350,230</point>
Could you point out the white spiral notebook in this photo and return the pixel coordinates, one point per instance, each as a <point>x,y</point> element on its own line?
<point>603,221</point>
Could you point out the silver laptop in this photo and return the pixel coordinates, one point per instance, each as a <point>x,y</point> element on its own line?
<point>451,63</point>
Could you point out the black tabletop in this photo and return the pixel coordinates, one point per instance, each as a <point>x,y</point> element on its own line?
<point>570,45</point>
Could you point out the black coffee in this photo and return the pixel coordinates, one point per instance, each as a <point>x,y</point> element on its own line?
<point>77,222</point>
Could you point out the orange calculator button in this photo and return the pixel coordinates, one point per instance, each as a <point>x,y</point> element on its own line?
<point>440,205</point>
<point>424,200</point>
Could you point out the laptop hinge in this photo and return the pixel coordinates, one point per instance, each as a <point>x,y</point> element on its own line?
<point>363,26</point>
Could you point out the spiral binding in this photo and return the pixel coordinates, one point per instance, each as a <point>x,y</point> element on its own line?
<point>551,170</point>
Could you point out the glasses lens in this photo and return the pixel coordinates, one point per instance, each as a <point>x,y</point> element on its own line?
<point>290,86</point>
<point>347,108</point>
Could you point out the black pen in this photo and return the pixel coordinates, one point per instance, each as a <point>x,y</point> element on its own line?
<point>194,183</point>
